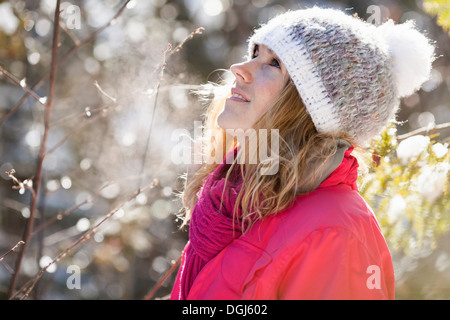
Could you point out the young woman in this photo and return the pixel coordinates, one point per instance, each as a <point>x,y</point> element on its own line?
<point>327,82</point>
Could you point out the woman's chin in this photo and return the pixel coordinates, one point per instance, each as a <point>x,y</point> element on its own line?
<point>224,121</point>
<point>228,121</point>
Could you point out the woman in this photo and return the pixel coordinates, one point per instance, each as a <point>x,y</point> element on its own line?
<point>327,82</point>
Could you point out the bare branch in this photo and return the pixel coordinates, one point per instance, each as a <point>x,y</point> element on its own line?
<point>22,84</point>
<point>163,279</point>
<point>28,287</point>
<point>147,144</point>
<point>18,244</point>
<point>75,40</point>
<point>168,53</point>
<point>103,92</point>
<point>37,183</point>
<point>427,130</point>
<point>27,184</point>
<point>189,37</point>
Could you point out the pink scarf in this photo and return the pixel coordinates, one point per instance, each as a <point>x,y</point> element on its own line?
<point>211,227</point>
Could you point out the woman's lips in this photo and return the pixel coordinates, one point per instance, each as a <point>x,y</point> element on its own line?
<point>237,96</point>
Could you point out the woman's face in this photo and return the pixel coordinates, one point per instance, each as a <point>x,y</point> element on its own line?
<point>258,83</point>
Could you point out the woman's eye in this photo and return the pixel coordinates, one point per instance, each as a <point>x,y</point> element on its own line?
<point>255,52</point>
<point>275,63</point>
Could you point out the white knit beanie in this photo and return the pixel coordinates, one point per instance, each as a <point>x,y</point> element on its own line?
<point>349,73</point>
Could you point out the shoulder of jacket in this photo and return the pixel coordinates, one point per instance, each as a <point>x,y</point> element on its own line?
<point>336,207</point>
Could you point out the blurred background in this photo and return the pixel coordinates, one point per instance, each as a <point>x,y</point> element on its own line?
<point>100,151</point>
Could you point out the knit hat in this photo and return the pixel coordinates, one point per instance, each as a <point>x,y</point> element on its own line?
<point>349,73</point>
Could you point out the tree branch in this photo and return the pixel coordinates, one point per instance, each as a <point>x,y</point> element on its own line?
<point>18,244</point>
<point>163,279</point>
<point>22,84</point>
<point>427,130</point>
<point>103,92</point>
<point>37,182</point>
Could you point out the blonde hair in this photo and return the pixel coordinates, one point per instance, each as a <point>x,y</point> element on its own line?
<point>302,152</point>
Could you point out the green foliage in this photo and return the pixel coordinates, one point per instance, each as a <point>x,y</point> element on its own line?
<point>407,185</point>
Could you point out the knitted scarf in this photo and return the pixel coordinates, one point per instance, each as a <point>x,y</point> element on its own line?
<point>212,226</point>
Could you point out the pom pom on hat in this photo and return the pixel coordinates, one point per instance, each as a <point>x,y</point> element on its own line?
<point>412,55</point>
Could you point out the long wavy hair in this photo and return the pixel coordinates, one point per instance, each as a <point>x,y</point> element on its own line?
<point>301,154</point>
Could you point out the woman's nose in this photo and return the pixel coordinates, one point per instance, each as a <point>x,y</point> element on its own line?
<point>242,71</point>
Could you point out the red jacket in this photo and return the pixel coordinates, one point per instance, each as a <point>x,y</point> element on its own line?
<point>328,245</point>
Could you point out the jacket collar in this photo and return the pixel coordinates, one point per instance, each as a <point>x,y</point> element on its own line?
<point>345,173</point>
<point>318,171</point>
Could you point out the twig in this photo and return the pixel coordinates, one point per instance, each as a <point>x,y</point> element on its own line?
<point>22,84</point>
<point>75,40</point>
<point>27,184</point>
<point>103,92</point>
<point>91,37</point>
<point>189,37</point>
<point>163,66</point>
<point>37,183</point>
<point>28,287</point>
<point>163,279</point>
<point>427,130</point>
<point>177,48</point>
<point>18,244</point>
